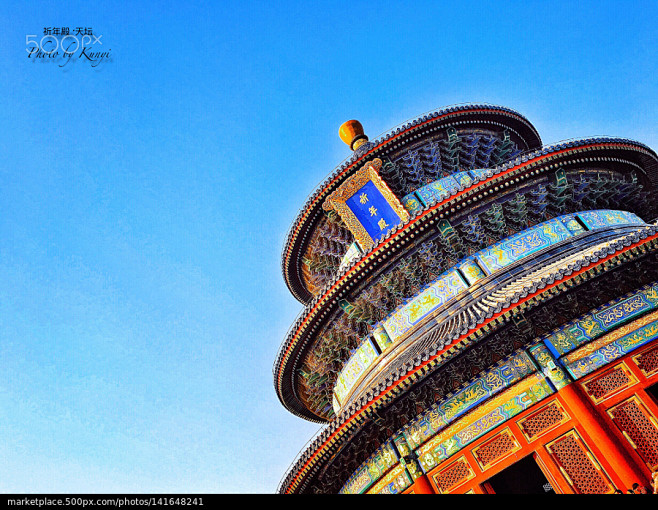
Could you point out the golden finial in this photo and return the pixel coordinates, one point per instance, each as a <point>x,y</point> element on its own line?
<point>351,132</point>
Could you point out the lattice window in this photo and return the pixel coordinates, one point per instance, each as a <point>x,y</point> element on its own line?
<point>578,465</point>
<point>543,420</point>
<point>639,426</point>
<point>648,362</point>
<point>609,383</point>
<point>496,449</point>
<point>455,474</point>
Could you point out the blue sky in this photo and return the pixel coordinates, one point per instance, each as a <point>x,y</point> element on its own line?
<point>144,203</point>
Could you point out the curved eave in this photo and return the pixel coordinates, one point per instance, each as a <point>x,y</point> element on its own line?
<point>326,445</point>
<point>313,317</point>
<point>310,213</point>
<point>457,314</point>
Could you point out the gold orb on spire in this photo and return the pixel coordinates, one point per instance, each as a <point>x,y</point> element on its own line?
<point>351,132</point>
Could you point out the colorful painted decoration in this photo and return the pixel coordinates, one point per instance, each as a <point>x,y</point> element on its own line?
<point>522,245</point>
<point>573,225</point>
<point>447,286</point>
<point>485,417</point>
<point>372,470</point>
<point>364,356</point>
<point>411,202</point>
<point>612,346</point>
<point>471,270</point>
<point>441,189</point>
<point>511,387</point>
<point>605,218</point>
<point>594,324</point>
<point>485,262</point>
<point>395,481</point>
<point>492,382</point>
<point>381,337</point>
<point>550,367</point>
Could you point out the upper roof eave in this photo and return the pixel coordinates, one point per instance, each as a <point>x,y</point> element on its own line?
<point>405,133</point>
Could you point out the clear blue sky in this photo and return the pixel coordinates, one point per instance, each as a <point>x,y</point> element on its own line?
<point>144,203</point>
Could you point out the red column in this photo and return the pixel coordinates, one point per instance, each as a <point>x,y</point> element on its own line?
<point>422,485</point>
<point>614,453</point>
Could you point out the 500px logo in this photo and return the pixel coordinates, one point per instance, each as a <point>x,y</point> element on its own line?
<point>61,45</point>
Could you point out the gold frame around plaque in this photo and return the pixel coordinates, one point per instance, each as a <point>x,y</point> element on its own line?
<point>337,199</point>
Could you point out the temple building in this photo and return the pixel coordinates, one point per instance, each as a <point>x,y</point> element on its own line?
<point>480,313</point>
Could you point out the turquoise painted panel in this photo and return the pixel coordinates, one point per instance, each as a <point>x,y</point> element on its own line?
<point>435,451</point>
<point>447,286</point>
<point>437,191</point>
<point>604,218</point>
<point>612,351</point>
<point>480,173</point>
<point>411,203</point>
<point>381,337</point>
<point>523,244</point>
<point>484,387</point>
<point>471,271</point>
<point>356,366</point>
<point>463,178</point>
<point>599,322</point>
<point>371,470</point>
<point>572,224</point>
<point>550,367</point>
<point>622,312</point>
